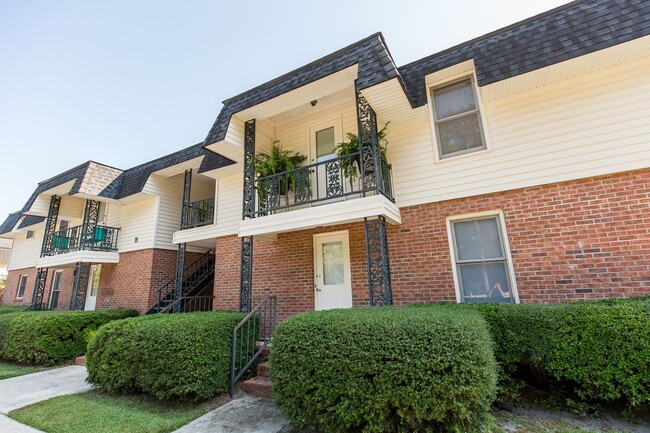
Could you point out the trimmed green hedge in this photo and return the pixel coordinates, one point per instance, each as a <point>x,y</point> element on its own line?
<point>6,309</point>
<point>5,319</point>
<point>600,351</point>
<point>51,337</point>
<point>384,370</point>
<point>164,355</point>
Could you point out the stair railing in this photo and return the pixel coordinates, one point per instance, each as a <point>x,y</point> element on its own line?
<point>191,269</point>
<point>191,304</point>
<point>251,336</point>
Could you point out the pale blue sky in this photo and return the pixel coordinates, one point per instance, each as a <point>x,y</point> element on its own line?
<point>122,82</point>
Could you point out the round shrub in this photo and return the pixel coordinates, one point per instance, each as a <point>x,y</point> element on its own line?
<point>51,337</point>
<point>384,370</point>
<point>164,355</point>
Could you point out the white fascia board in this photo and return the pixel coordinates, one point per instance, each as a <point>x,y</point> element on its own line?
<point>340,212</point>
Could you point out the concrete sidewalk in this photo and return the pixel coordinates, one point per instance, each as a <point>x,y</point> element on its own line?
<point>244,415</point>
<point>24,390</point>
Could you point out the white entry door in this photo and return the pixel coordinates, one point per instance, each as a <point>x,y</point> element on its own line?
<point>332,276</point>
<point>93,286</point>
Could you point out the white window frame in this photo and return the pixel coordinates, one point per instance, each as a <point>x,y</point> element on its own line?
<point>437,151</point>
<point>21,279</point>
<point>60,272</point>
<point>504,240</point>
<point>30,234</point>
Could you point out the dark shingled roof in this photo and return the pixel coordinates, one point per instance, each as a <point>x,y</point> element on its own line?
<point>9,224</point>
<point>128,182</point>
<point>375,65</point>
<point>569,31</point>
<point>572,30</point>
<point>30,220</point>
<point>77,174</point>
<point>132,181</point>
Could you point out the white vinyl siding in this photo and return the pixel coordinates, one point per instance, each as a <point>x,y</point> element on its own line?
<point>25,252</point>
<point>135,220</point>
<point>585,127</point>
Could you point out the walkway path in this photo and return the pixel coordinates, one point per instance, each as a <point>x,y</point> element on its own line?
<point>244,415</point>
<point>24,390</point>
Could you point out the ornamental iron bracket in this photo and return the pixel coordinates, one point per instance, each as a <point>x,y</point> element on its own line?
<point>379,282</point>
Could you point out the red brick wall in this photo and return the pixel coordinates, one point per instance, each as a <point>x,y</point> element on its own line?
<point>131,283</point>
<point>9,297</point>
<point>581,239</point>
<point>135,280</point>
<point>285,268</point>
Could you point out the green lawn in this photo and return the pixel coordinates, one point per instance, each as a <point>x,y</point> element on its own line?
<point>99,412</point>
<point>8,370</point>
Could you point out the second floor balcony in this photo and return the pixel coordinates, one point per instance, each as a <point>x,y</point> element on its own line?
<point>329,181</point>
<point>198,214</point>
<point>97,238</point>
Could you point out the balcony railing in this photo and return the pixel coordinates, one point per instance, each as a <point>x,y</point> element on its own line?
<point>323,182</point>
<point>99,238</point>
<point>199,213</point>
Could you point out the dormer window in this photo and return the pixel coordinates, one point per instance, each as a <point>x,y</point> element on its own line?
<point>457,119</point>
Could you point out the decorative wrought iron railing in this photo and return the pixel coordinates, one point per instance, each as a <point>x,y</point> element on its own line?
<point>193,275</point>
<point>98,238</point>
<point>190,304</point>
<point>335,179</point>
<point>199,213</point>
<point>251,336</point>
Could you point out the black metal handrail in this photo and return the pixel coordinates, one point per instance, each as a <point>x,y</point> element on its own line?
<point>189,304</point>
<point>199,213</point>
<point>320,182</point>
<point>192,275</point>
<point>98,238</point>
<point>251,336</point>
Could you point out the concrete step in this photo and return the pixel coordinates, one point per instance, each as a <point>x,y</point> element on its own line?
<point>263,369</point>
<point>259,387</point>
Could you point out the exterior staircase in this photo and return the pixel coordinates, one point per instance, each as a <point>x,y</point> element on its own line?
<point>260,385</point>
<point>196,277</point>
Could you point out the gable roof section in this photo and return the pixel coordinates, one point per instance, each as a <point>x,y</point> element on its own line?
<point>133,180</point>
<point>569,31</point>
<point>372,56</point>
<point>30,220</point>
<point>76,173</point>
<point>10,222</point>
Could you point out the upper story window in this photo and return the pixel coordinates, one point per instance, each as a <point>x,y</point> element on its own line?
<point>30,234</point>
<point>457,119</point>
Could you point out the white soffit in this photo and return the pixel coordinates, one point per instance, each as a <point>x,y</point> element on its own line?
<point>315,90</point>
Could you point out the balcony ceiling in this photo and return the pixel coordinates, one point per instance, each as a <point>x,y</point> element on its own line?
<point>307,109</point>
<point>295,100</point>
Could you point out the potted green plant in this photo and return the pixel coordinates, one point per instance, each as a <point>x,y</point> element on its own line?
<point>279,161</point>
<point>349,165</point>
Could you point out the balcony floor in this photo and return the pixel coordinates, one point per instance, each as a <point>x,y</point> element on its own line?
<point>339,212</point>
<point>86,256</point>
